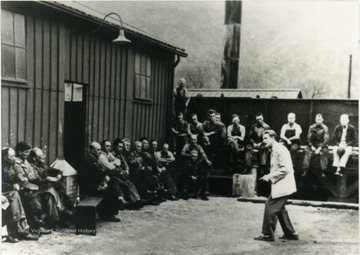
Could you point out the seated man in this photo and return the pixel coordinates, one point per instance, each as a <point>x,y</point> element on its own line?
<point>135,162</point>
<point>195,126</point>
<point>236,136</point>
<point>94,181</point>
<point>222,127</point>
<point>256,142</point>
<point>118,171</point>
<point>344,140</point>
<point>213,131</point>
<point>38,207</point>
<point>192,145</point>
<point>13,215</point>
<point>290,136</point>
<point>318,139</point>
<point>194,177</point>
<point>50,184</point>
<point>179,132</point>
<point>153,146</point>
<point>145,144</point>
<point>164,159</point>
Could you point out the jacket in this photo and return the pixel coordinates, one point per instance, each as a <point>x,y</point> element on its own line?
<point>350,135</point>
<point>281,172</point>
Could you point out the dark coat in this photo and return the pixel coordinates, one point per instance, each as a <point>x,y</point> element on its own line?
<point>351,136</point>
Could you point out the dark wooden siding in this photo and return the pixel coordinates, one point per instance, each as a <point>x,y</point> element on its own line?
<point>33,112</point>
<point>58,51</point>
<point>108,72</point>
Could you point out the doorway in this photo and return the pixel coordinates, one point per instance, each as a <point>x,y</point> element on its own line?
<point>74,123</point>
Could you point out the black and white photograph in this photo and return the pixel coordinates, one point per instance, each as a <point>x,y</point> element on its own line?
<point>180,127</point>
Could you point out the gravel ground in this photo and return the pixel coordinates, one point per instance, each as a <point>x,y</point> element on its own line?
<point>219,226</point>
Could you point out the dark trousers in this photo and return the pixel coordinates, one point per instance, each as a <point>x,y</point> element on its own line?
<point>31,201</point>
<point>309,154</point>
<point>124,188</point>
<point>197,187</point>
<point>249,155</point>
<point>136,178</point>
<point>274,210</point>
<point>14,216</point>
<point>235,149</point>
<point>50,209</point>
<point>109,205</point>
<point>168,182</point>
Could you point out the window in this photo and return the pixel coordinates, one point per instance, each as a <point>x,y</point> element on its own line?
<point>13,45</point>
<point>74,92</point>
<point>142,76</point>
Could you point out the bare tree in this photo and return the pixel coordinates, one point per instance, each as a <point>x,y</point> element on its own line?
<point>313,89</point>
<point>196,76</point>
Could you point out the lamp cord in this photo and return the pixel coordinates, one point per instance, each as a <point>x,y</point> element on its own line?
<point>103,21</point>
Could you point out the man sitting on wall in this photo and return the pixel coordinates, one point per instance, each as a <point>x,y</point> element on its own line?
<point>236,136</point>
<point>213,131</point>
<point>290,136</point>
<point>256,142</point>
<point>179,132</point>
<point>195,127</point>
<point>318,139</point>
<point>94,181</point>
<point>344,140</point>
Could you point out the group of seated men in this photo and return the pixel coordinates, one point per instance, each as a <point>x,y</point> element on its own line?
<point>133,175</point>
<point>125,175</point>
<point>34,199</point>
<point>213,134</point>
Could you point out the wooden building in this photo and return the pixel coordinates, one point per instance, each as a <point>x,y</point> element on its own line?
<point>64,85</point>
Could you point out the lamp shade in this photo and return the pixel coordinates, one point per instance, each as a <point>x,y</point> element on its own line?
<point>65,167</point>
<point>121,39</point>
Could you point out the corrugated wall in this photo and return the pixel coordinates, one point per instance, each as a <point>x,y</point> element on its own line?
<point>33,112</point>
<point>57,52</point>
<point>108,72</point>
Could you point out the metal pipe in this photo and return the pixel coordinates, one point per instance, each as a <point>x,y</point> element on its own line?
<point>349,82</point>
<point>176,62</point>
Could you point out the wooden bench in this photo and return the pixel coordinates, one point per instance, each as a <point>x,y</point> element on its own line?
<point>85,215</point>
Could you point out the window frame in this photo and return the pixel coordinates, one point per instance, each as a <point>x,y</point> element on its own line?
<point>142,77</point>
<point>15,81</point>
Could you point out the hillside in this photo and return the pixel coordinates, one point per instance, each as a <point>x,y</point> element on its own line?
<point>283,44</point>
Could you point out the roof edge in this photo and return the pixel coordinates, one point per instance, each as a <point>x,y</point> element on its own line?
<point>91,18</point>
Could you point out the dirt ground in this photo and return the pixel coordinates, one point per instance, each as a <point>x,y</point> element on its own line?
<point>219,226</point>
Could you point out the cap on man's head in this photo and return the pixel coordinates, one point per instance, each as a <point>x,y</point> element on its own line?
<point>182,80</point>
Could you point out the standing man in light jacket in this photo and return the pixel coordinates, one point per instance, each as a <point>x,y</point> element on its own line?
<point>283,185</point>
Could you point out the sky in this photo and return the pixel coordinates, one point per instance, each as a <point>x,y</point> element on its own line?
<point>283,43</point>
